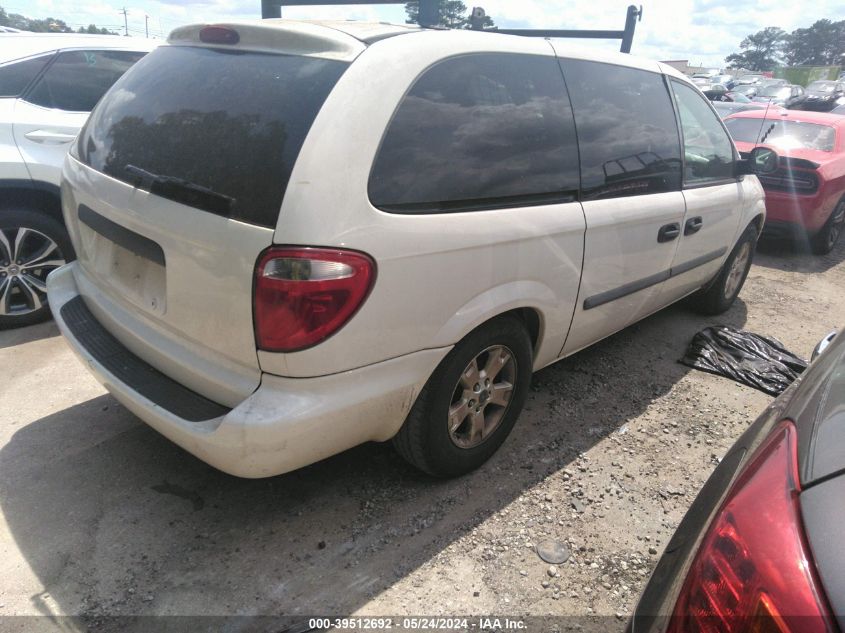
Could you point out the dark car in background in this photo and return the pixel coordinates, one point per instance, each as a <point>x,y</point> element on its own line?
<point>772,81</point>
<point>760,549</point>
<point>824,95</point>
<point>727,108</point>
<point>805,197</point>
<point>749,80</point>
<point>747,90</point>
<point>787,96</point>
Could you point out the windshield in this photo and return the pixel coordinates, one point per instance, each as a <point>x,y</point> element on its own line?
<point>821,86</point>
<point>774,91</point>
<point>783,134</point>
<point>209,125</point>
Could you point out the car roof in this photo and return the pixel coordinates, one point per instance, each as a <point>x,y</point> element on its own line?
<point>24,44</point>
<point>346,39</point>
<point>367,32</point>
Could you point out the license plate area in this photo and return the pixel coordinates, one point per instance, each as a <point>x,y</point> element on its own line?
<point>129,263</point>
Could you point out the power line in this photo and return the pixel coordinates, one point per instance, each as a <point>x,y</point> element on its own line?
<point>125,21</point>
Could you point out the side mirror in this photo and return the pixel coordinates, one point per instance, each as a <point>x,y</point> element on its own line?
<point>823,345</point>
<point>761,160</point>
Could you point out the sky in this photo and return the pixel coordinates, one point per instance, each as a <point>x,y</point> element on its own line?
<point>702,31</point>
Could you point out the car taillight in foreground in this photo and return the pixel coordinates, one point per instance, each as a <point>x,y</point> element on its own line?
<point>753,570</point>
<point>304,295</point>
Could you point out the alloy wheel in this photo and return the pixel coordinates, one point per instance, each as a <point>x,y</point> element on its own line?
<point>737,270</point>
<point>27,256</point>
<point>837,222</point>
<point>482,396</point>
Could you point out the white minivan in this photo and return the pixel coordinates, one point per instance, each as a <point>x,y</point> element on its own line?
<point>296,237</point>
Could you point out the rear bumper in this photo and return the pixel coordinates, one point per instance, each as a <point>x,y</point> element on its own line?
<point>285,424</point>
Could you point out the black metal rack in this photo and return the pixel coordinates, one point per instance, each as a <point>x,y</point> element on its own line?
<point>429,13</point>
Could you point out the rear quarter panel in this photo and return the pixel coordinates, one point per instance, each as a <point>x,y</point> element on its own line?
<point>439,276</point>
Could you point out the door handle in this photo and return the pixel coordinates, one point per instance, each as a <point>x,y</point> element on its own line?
<point>49,137</point>
<point>668,232</point>
<point>693,225</point>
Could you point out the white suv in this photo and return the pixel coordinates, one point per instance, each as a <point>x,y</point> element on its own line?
<point>48,85</point>
<point>297,237</point>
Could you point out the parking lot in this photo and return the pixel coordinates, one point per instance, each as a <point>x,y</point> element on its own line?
<point>102,516</point>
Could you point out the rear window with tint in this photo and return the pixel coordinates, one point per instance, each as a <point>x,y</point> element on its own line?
<point>229,121</point>
<point>78,79</point>
<point>627,131</point>
<point>783,134</point>
<point>15,76</point>
<point>479,131</point>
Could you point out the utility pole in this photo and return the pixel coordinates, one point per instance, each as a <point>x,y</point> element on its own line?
<point>125,23</point>
<point>147,25</point>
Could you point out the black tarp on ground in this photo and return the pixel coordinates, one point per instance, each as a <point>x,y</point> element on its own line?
<point>758,361</point>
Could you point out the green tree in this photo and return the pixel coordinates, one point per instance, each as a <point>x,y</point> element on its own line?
<point>760,51</point>
<point>453,15</point>
<point>95,30</point>
<point>49,25</point>
<point>45,25</point>
<point>822,44</point>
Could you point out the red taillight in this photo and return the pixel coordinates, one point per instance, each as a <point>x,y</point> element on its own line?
<point>753,571</point>
<point>304,295</point>
<point>219,35</point>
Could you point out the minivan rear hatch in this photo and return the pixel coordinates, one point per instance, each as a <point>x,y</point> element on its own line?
<point>174,189</point>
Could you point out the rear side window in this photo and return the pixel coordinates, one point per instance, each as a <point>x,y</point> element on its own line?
<point>627,131</point>
<point>78,79</point>
<point>479,131</point>
<point>708,150</point>
<point>16,76</point>
<point>231,122</point>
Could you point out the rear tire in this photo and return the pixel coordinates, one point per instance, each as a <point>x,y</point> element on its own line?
<point>471,402</point>
<point>824,241</point>
<point>31,246</point>
<point>720,295</point>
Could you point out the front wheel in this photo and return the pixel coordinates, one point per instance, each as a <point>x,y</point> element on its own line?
<point>471,402</point>
<point>720,295</point>
<point>824,241</point>
<point>32,245</point>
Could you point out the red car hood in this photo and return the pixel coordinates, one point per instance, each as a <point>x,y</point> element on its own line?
<point>814,155</point>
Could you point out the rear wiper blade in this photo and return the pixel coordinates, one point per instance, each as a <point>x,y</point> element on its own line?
<point>180,190</point>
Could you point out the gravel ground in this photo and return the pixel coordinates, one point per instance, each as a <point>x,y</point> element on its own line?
<point>101,516</point>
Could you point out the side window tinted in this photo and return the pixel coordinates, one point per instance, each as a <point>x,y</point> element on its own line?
<point>708,150</point>
<point>15,76</point>
<point>627,131</point>
<point>77,79</point>
<point>479,131</point>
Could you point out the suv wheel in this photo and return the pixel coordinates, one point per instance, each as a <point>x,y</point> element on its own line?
<point>471,402</point>
<point>31,246</point>
<point>720,295</point>
<point>824,241</point>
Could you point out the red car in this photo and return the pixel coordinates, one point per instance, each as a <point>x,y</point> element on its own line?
<point>805,197</point>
